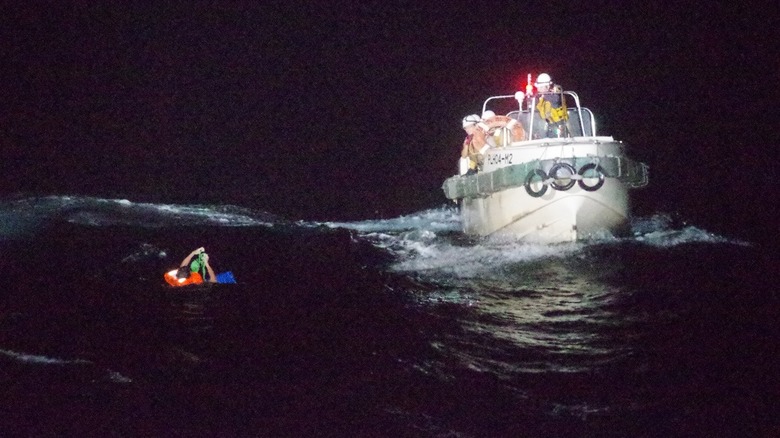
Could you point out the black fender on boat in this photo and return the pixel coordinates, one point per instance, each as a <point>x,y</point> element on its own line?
<point>529,180</point>
<point>626,171</point>
<point>589,167</point>
<point>555,178</point>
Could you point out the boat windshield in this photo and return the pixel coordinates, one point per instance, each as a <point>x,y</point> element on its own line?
<point>572,119</point>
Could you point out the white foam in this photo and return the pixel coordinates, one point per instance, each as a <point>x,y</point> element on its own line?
<point>31,214</point>
<point>118,378</point>
<point>659,230</point>
<point>434,220</point>
<point>429,242</point>
<point>40,359</point>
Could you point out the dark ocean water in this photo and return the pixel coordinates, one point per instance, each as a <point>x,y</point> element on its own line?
<point>388,327</point>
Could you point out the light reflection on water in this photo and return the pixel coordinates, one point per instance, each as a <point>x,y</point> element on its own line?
<point>554,322</point>
<point>530,308</point>
<point>525,307</point>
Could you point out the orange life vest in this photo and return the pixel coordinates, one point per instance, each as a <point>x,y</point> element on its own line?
<point>194,278</point>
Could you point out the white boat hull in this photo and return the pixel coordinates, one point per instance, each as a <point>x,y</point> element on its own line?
<point>557,216</point>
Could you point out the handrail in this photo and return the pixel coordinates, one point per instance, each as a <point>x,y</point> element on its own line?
<point>532,105</point>
<point>484,105</point>
<point>579,110</point>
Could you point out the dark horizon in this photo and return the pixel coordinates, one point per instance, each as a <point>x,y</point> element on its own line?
<point>350,111</point>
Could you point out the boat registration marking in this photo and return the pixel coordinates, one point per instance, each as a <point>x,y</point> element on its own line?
<point>499,159</point>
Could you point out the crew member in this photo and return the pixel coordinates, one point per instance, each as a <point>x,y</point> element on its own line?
<point>474,145</point>
<point>551,106</point>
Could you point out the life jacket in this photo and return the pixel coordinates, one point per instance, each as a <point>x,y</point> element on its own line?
<point>172,279</point>
<point>474,146</point>
<point>552,107</point>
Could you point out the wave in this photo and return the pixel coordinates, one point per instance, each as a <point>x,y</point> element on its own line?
<point>444,219</point>
<point>425,242</point>
<point>37,359</point>
<point>663,230</point>
<point>23,218</point>
<point>40,359</point>
<point>548,303</point>
<point>430,243</point>
<point>28,214</point>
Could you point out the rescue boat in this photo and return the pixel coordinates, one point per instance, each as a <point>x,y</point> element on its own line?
<point>560,182</point>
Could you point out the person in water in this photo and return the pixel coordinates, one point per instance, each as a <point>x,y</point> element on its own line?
<point>192,270</point>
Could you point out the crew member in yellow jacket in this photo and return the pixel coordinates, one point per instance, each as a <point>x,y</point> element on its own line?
<point>551,106</point>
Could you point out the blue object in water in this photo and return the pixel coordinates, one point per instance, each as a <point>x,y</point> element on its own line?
<point>226,277</point>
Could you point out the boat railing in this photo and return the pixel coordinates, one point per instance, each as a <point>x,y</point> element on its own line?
<point>504,97</point>
<point>580,121</point>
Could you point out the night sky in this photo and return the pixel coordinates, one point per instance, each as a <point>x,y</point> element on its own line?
<point>351,110</point>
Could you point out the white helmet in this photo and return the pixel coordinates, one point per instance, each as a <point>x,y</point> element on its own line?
<point>543,79</point>
<point>488,114</point>
<point>470,120</point>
